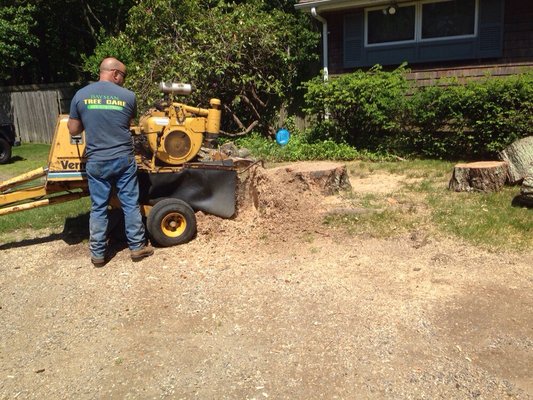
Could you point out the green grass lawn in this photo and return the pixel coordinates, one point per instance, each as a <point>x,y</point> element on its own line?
<point>26,158</point>
<point>424,202</point>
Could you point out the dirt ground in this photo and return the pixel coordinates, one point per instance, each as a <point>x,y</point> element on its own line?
<point>269,305</point>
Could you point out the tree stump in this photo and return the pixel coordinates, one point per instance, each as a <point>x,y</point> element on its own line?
<point>327,177</point>
<point>519,157</point>
<point>297,187</point>
<point>482,176</point>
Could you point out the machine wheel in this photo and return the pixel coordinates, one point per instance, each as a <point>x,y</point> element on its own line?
<point>171,222</point>
<point>5,151</point>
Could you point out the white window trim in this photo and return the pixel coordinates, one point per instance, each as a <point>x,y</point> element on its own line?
<point>418,25</point>
<point>472,35</point>
<point>388,43</point>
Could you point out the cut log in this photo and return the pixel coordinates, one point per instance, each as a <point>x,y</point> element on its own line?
<point>527,185</point>
<point>482,176</point>
<point>525,198</point>
<point>519,157</point>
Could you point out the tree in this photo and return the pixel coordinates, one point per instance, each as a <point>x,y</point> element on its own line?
<point>17,40</point>
<point>36,48</point>
<point>249,55</point>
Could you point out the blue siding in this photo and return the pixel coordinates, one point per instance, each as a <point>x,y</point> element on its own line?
<point>353,39</point>
<point>487,43</point>
<point>490,28</point>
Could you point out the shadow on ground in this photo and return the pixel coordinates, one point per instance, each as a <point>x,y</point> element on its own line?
<point>522,201</point>
<point>76,230</point>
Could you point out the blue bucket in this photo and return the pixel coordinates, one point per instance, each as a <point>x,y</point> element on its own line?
<point>282,137</point>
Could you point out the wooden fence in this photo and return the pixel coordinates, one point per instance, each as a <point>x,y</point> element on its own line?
<point>34,109</point>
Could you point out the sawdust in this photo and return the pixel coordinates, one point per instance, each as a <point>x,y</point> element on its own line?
<point>269,304</point>
<point>271,201</point>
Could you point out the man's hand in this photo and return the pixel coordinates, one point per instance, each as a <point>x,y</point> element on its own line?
<point>75,127</point>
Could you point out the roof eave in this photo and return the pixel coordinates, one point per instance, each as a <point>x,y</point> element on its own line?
<point>324,5</point>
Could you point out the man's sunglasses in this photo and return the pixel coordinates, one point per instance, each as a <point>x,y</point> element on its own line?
<point>120,72</point>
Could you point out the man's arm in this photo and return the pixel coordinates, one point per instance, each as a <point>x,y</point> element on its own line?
<point>75,127</point>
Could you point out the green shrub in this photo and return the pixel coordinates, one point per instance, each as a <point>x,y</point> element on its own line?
<point>377,111</point>
<point>298,149</point>
<point>474,120</point>
<point>361,108</point>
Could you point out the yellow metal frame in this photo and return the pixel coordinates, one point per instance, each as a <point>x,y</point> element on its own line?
<point>63,180</point>
<point>25,198</point>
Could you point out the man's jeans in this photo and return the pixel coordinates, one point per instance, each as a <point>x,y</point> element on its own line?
<point>120,173</point>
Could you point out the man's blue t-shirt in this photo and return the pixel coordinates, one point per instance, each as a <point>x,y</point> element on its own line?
<point>105,109</point>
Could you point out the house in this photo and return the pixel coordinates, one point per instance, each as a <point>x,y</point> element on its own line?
<point>464,38</point>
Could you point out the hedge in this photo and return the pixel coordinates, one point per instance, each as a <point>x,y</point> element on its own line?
<point>383,111</point>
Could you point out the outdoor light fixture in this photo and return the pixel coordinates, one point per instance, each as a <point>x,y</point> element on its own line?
<point>390,9</point>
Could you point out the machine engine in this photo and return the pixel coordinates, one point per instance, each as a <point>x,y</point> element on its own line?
<point>173,133</point>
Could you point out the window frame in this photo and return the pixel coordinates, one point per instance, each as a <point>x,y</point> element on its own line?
<point>418,25</point>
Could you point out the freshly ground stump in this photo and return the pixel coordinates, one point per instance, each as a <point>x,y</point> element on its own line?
<point>295,186</point>
<point>481,176</point>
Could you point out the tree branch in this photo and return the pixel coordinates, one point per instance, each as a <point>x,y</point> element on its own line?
<point>235,118</point>
<point>255,96</point>
<point>86,11</point>
<point>247,101</point>
<point>244,132</point>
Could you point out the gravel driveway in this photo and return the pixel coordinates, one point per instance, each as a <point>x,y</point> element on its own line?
<point>269,305</point>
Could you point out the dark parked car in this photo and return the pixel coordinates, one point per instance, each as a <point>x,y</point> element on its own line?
<point>8,139</point>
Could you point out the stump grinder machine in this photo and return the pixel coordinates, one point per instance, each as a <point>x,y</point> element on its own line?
<point>174,183</point>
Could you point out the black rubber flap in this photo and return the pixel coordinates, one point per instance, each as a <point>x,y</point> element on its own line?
<point>211,190</point>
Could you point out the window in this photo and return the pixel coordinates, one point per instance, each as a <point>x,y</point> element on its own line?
<point>384,27</point>
<point>415,22</point>
<point>448,18</point>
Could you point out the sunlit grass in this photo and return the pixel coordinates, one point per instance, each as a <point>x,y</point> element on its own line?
<point>26,158</point>
<point>49,217</point>
<point>424,201</point>
<point>379,223</point>
<point>486,219</point>
<point>410,169</point>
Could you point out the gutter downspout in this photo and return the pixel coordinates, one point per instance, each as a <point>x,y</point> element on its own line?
<point>315,14</point>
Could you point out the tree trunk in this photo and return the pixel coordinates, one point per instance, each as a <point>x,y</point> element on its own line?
<point>525,198</point>
<point>482,176</point>
<point>519,156</point>
<point>527,186</point>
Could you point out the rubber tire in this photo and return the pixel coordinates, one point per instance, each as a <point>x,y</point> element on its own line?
<point>5,151</point>
<point>171,211</point>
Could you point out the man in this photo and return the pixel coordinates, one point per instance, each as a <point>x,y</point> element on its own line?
<point>105,110</point>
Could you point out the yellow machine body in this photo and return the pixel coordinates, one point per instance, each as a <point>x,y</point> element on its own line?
<point>175,133</point>
<point>63,180</point>
<point>67,160</point>
<point>172,142</point>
